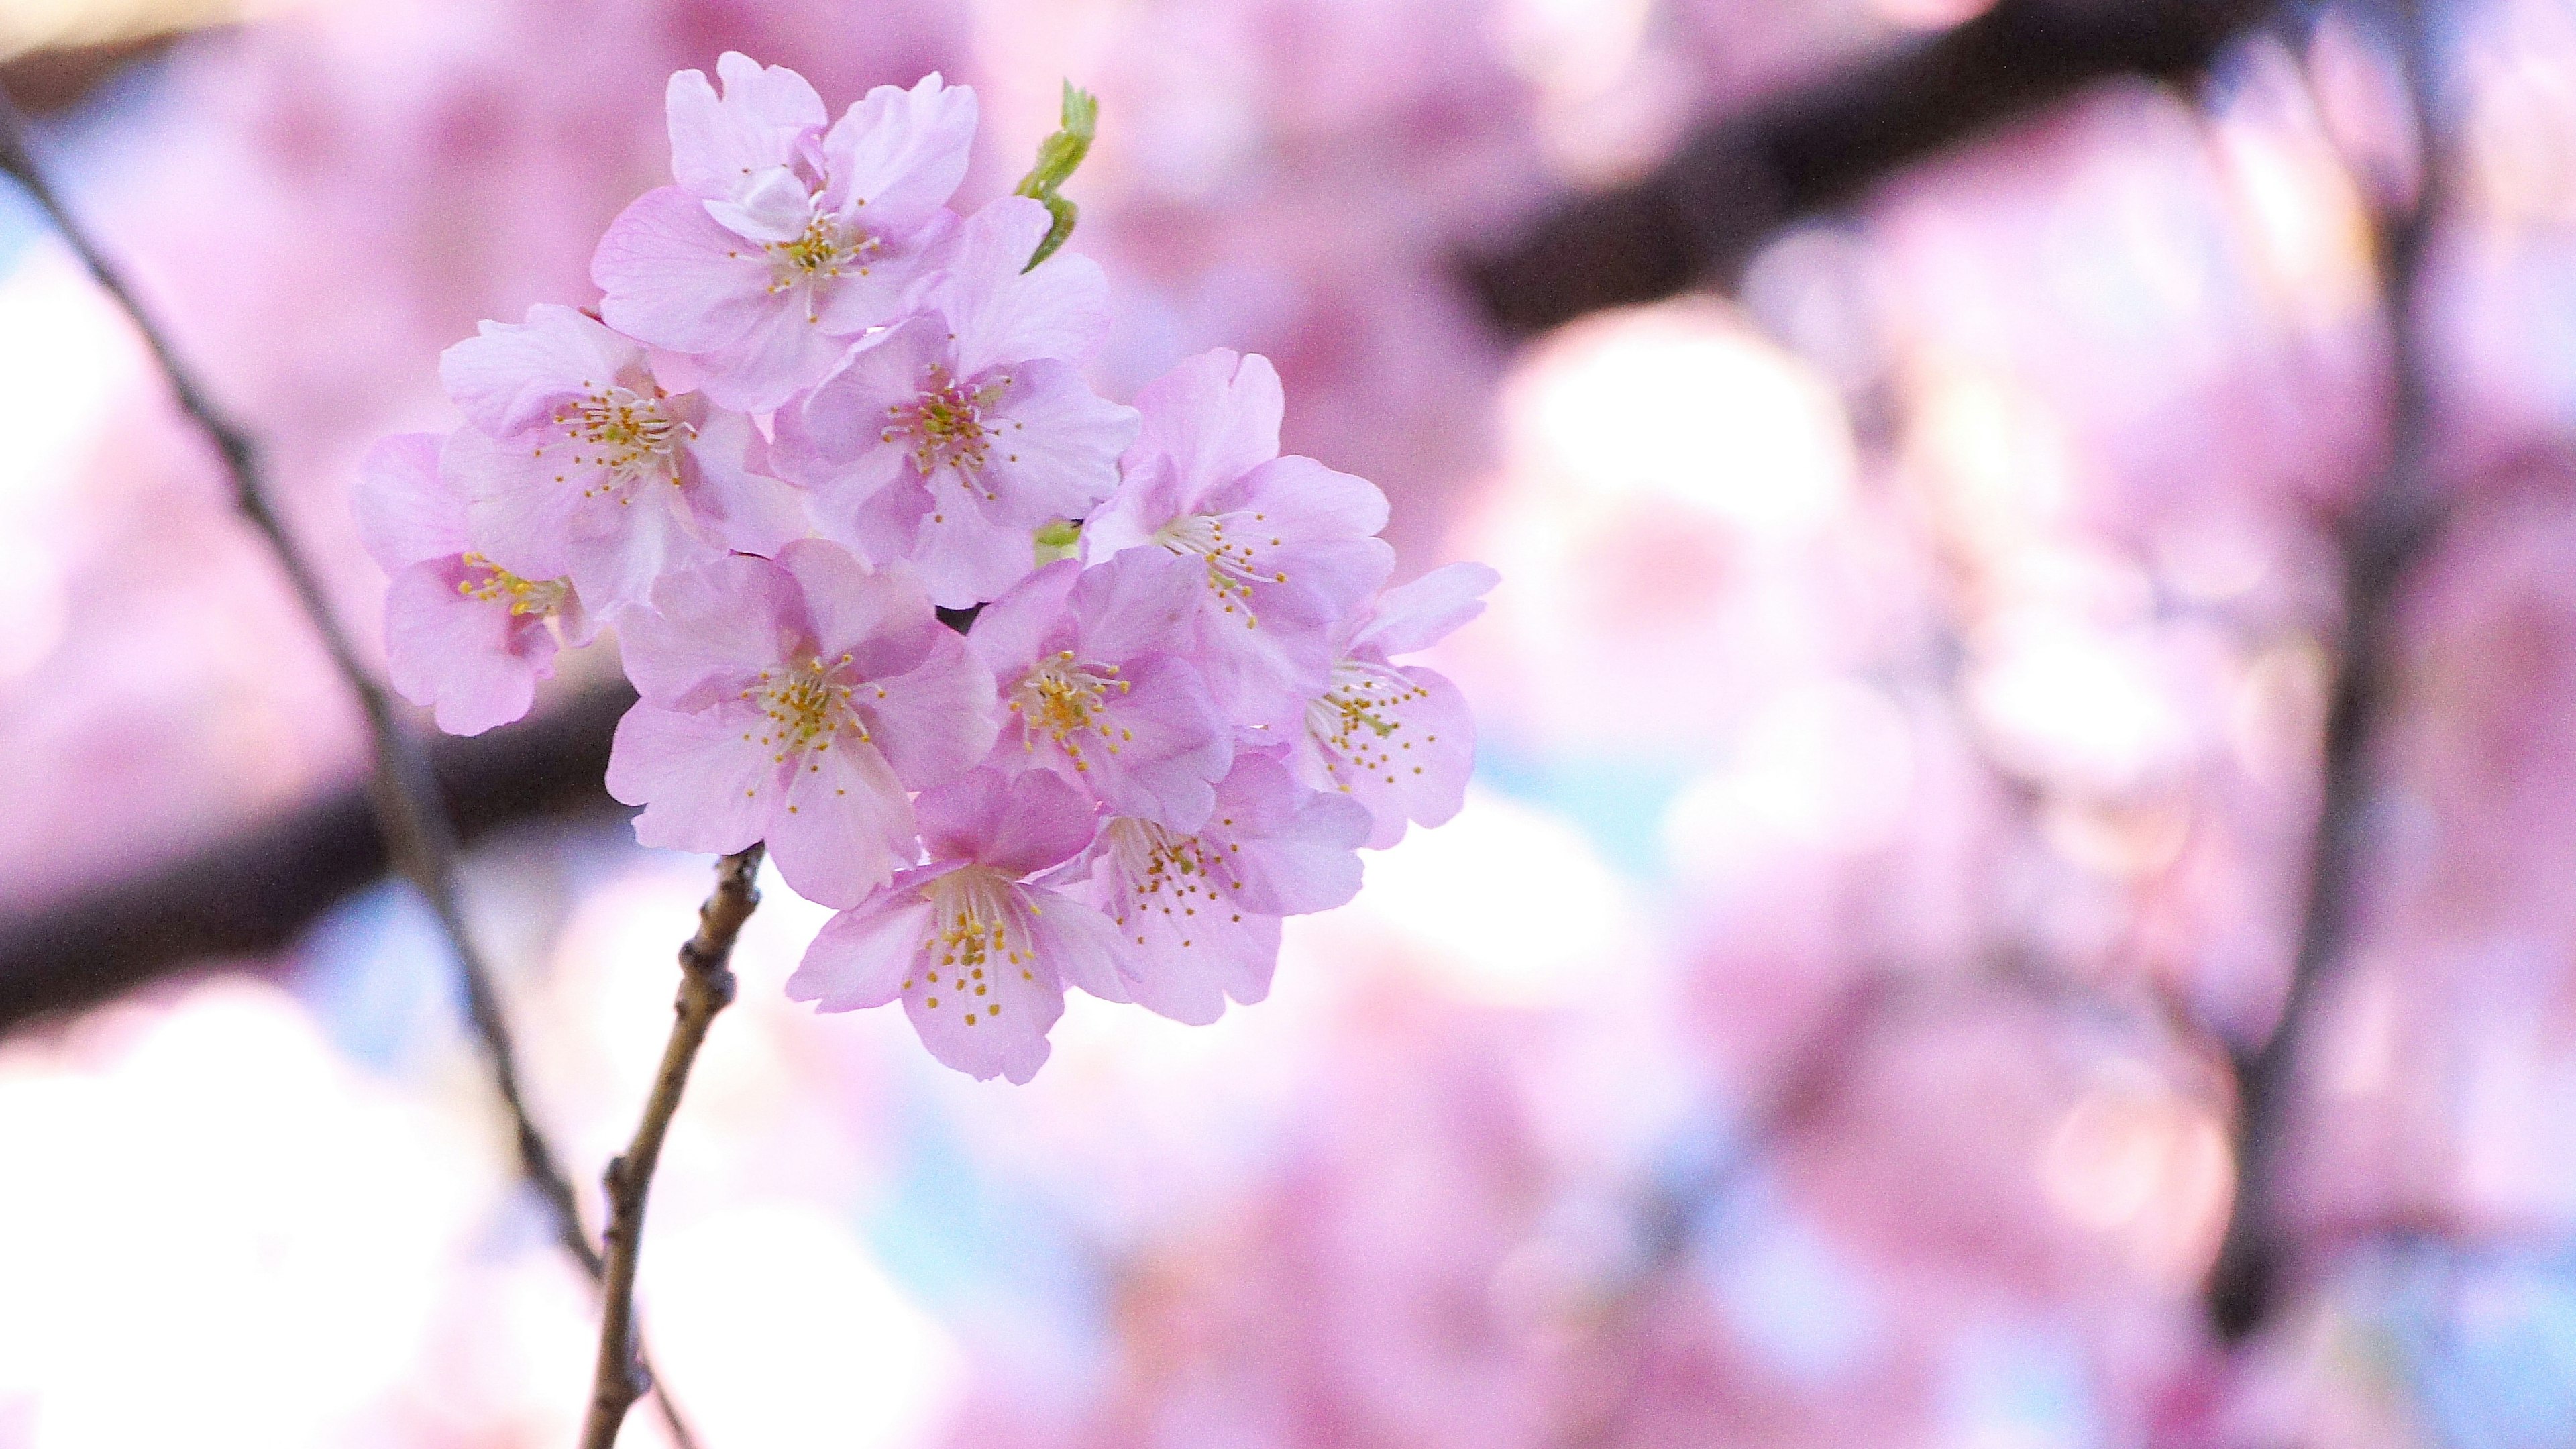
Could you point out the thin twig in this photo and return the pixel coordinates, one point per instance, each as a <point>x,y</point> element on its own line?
<point>403,792</point>
<point>706,988</point>
<point>2383,536</point>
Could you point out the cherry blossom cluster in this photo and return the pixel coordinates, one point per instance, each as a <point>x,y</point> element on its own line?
<point>1036,690</point>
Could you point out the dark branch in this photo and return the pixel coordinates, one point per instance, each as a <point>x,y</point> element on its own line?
<point>416,834</point>
<point>1700,216</point>
<point>706,988</point>
<point>253,893</point>
<point>2381,539</point>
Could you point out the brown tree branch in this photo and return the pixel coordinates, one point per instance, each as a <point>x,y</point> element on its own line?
<point>2382,538</point>
<point>1699,217</point>
<point>706,988</point>
<point>403,790</point>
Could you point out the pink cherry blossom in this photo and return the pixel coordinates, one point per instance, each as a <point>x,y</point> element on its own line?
<point>796,701</point>
<point>950,438</point>
<point>579,463</point>
<point>464,637</point>
<point>979,952</point>
<point>1198,913</point>
<point>782,240</point>
<point>1092,692</point>
<point>1281,547</point>
<point>1398,740</point>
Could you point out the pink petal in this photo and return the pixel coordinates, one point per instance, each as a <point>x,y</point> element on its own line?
<point>1295,850</point>
<point>470,660</point>
<point>1427,610</point>
<point>1078,942</point>
<point>785,349</point>
<point>619,571</point>
<point>764,112</point>
<point>674,278</point>
<point>859,958</point>
<point>704,782</point>
<point>1003,314</point>
<point>880,617</point>
<point>937,719</point>
<point>1028,619</point>
<point>747,510</point>
<point>1021,825</point>
<point>1140,602</point>
<point>406,512</point>
<point>1214,417</point>
<point>1183,967</point>
<point>1055,454</point>
<point>897,156</point>
<point>1306,501</point>
<point>1418,771</point>
<point>847,827</point>
<point>1001,1034</point>
<point>969,550</point>
<point>712,630</point>
<point>513,376</point>
<point>1173,746</point>
<point>840,425</point>
<point>519,512</point>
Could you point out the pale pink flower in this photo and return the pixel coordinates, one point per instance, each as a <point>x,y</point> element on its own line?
<point>1198,912</point>
<point>783,240</point>
<point>579,463</point>
<point>949,439</point>
<point>1280,548</point>
<point>1092,692</point>
<point>796,701</point>
<point>463,636</point>
<point>979,952</point>
<point>1397,739</point>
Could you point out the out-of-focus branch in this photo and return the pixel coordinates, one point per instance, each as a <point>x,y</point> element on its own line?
<point>2386,532</point>
<point>1700,215</point>
<point>706,988</point>
<point>418,837</point>
<point>252,893</point>
<point>1812,149</point>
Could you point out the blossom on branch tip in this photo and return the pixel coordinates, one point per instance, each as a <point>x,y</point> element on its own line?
<point>463,636</point>
<point>1276,549</point>
<point>1397,739</point>
<point>578,463</point>
<point>1198,912</point>
<point>1091,691</point>
<point>979,952</point>
<point>796,701</point>
<point>782,240</point>
<point>951,438</point>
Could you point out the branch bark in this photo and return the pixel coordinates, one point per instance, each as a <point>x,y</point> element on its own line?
<point>2382,538</point>
<point>706,988</point>
<point>403,790</point>
<point>1698,218</point>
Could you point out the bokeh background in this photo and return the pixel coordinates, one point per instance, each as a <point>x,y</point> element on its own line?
<point>1975,484</point>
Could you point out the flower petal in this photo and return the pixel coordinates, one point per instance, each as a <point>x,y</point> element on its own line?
<point>704,782</point>
<point>848,826</point>
<point>859,958</point>
<point>407,513</point>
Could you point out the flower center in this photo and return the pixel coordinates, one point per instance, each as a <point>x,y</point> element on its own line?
<point>974,937</point>
<point>625,434</point>
<point>947,425</point>
<point>1233,558</point>
<point>490,583</point>
<point>1161,870</point>
<point>824,250</point>
<point>807,706</point>
<point>1355,720</point>
<point>1064,696</point>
